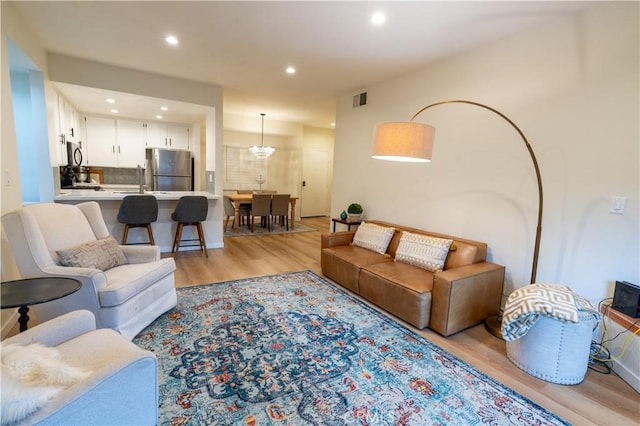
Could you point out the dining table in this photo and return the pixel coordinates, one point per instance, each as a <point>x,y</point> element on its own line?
<point>244,199</point>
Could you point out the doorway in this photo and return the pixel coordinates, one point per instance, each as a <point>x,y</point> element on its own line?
<point>315,183</point>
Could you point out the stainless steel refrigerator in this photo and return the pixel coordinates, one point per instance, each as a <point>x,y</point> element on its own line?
<point>169,170</point>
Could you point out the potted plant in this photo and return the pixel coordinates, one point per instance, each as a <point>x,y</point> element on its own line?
<point>354,212</point>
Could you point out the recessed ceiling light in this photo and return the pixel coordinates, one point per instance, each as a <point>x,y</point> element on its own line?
<point>378,18</point>
<point>115,111</point>
<point>333,124</point>
<point>290,70</point>
<point>171,39</point>
<point>164,108</point>
<point>159,117</point>
<point>110,101</point>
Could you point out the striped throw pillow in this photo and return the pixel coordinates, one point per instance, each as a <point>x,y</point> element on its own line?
<point>423,251</point>
<point>373,237</point>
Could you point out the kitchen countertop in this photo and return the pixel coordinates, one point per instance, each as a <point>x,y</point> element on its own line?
<point>117,195</point>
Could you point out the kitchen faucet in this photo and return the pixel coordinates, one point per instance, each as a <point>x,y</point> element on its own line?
<point>140,179</point>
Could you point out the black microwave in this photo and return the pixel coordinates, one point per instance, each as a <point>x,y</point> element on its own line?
<point>74,153</point>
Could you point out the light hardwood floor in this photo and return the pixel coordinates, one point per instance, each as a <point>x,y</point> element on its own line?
<point>600,399</point>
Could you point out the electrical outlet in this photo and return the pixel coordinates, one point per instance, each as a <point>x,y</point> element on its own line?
<point>618,205</point>
<point>7,178</point>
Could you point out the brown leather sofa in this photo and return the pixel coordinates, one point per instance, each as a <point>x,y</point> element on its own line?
<point>464,294</point>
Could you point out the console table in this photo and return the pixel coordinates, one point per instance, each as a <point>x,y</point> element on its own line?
<point>345,222</point>
<point>32,291</point>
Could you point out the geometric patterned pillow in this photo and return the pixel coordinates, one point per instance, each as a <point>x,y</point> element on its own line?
<point>373,237</point>
<point>423,251</point>
<point>100,254</point>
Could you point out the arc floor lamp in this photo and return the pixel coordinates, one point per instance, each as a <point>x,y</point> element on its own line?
<point>413,142</point>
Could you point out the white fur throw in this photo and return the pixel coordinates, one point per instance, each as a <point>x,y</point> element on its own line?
<point>30,376</point>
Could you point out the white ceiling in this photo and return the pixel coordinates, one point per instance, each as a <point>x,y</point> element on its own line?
<point>246,46</point>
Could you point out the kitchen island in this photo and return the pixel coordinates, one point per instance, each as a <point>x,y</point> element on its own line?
<point>164,228</point>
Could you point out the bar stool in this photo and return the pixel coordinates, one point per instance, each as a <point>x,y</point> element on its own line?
<point>138,211</point>
<point>191,210</point>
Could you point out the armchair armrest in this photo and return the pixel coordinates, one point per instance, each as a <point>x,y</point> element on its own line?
<point>141,254</point>
<point>57,330</point>
<point>333,239</point>
<point>465,296</point>
<point>93,279</point>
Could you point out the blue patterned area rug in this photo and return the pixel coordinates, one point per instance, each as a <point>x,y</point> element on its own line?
<point>294,349</point>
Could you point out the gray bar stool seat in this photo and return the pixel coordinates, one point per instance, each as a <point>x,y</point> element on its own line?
<point>191,210</point>
<point>138,211</point>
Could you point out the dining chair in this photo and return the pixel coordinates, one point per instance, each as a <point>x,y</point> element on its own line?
<point>280,208</point>
<point>261,206</point>
<point>230,211</point>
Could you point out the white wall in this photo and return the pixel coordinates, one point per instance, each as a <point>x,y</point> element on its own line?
<point>572,87</point>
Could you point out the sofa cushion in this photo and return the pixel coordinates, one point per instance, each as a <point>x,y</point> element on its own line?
<point>373,237</point>
<point>423,251</point>
<point>343,263</point>
<point>411,277</point>
<point>100,254</point>
<point>401,289</point>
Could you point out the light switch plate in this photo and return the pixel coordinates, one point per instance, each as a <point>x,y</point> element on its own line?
<point>618,205</point>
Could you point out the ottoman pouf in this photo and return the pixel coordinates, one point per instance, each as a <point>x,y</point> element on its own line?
<point>554,350</point>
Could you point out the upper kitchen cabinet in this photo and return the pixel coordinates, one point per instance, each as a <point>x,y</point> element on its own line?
<point>168,136</point>
<point>114,143</point>
<point>67,128</point>
<point>69,121</point>
<point>130,143</point>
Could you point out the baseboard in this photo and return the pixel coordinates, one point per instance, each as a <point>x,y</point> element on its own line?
<point>628,364</point>
<point>8,323</point>
<point>627,375</point>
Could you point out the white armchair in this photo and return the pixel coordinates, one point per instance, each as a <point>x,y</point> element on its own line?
<point>125,298</point>
<point>121,387</point>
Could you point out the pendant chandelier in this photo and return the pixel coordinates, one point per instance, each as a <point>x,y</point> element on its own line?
<point>262,151</point>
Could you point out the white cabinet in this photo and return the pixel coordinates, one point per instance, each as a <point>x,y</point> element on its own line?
<point>101,144</point>
<point>69,122</point>
<point>66,128</point>
<point>169,136</point>
<point>114,143</point>
<point>130,136</point>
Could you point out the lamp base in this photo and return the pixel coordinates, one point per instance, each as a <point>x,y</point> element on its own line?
<point>493,326</point>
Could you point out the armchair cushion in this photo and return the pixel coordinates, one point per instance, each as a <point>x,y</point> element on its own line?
<point>126,281</point>
<point>101,254</point>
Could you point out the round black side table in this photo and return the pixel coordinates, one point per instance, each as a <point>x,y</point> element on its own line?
<point>32,291</point>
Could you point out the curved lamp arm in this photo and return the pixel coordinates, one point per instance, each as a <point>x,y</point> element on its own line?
<point>391,144</point>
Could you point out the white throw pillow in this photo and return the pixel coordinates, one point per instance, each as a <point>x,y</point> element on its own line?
<point>423,251</point>
<point>30,376</point>
<point>373,237</point>
<point>100,254</point>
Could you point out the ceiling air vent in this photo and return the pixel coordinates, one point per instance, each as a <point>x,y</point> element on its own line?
<point>360,100</point>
